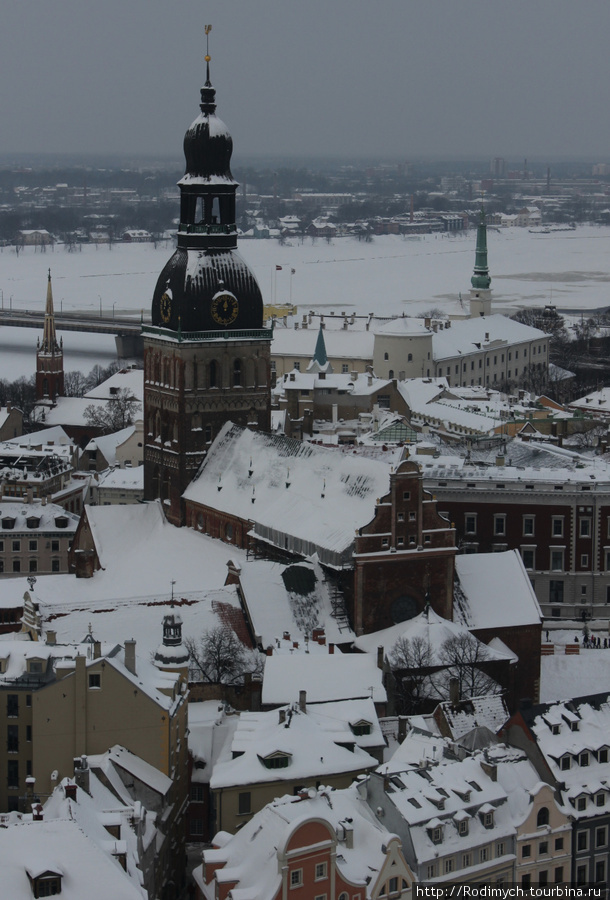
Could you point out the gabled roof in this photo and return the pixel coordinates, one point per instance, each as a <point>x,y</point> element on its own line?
<point>300,497</point>
<point>337,676</point>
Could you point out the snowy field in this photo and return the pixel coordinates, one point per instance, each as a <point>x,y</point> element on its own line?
<point>392,275</point>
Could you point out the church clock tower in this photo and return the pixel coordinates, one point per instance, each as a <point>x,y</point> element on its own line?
<point>206,353</point>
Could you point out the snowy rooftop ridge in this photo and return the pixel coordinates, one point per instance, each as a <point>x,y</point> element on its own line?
<point>262,478</point>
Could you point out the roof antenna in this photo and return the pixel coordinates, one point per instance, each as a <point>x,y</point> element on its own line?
<point>208,28</point>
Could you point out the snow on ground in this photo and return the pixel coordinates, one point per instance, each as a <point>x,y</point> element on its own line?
<point>390,275</point>
<point>562,677</point>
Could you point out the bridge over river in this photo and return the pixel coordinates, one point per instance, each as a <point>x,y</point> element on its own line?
<point>127,330</point>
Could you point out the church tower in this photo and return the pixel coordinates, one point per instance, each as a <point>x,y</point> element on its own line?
<point>49,356</point>
<point>206,353</point>
<point>480,294</point>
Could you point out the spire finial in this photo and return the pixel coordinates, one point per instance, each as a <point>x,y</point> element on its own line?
<point>208,28</point>
<point>481,278</point>
<point>49,274</point>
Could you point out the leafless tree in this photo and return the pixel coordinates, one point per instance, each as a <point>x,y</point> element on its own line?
<point>218,656</point>
<point>117,413</point>
<point>75,384</point>
<point>461,657</point>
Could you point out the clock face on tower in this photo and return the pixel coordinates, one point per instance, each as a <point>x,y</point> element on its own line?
<point>225,308</point>
<point>165,306</point>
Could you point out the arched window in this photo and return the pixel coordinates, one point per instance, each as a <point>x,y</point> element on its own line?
<point>45,387</point>
<point>543,816</point>
<point>236,373</point>
<point>391,373</point>
<point>213,373</point>
<point>386,355</point>
<point>410,357</point>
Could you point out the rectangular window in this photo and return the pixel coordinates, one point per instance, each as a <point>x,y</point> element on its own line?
<point>483,854</point>
<point>584,560</point>
<point>543,878</point>
<point>557,526</point>
<point>470,523</point>
<point>581,874</point>
<point>321,871</point>
<point>12,773</point>
<point>500,849</point>
<point>33,565</point>
<point>12,705</point>
<point>33,545</point>
<point>244,803</point>
<point>466,861</point>
<point>12,738</point>
<point>585,528</point>
<point>526,851</point>
<point>581,804</point>
<point>54,565</point>
<point>603,755</point>
<point>557,560</point>
<point>344,368</point>
<point>431,871</point>
<point>543,848</point>
<point>600,870</point>
<point>448,866</point>
<point>296,878</point>
<point>600,799</point>
<point>558,874</point>
<point>556,592</point>
<point>16,546</point>
<point>500,525</point>
<point>95,680</point>
<point>528,526</point>
<point>582,840</point>
<point>558,843</point>
<point>16,565</point>
<point>601,837</point>
<point>297,366</point>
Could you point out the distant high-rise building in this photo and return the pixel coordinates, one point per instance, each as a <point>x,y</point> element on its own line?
<point>206,353</point>
<point>497,167</point>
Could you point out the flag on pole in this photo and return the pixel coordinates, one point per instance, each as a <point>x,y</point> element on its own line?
<point>278,268</point>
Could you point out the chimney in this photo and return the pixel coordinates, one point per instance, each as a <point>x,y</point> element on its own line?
<point>490,769</point>
<point>454,691</point>
<point>97,649</point>
<point>130,656</point>
<point>380,655</point>
<point>303,701</point>
<point>37,812</point>
<point>402,728</point>
<point>81,772</point>
<point>269,651</point>
<point>331,648</point>
<point>51,638</point>
<point>8,406</point>
<point>70,789</point>
<point>233,572</point>
<point>282,717</point>
<point>349,835</point>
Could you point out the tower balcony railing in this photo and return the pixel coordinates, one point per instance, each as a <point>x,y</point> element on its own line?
<point>202,228</point>
<point>258,334</point>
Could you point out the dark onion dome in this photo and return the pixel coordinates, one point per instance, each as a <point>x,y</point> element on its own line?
<point>192,281</point>
<point>207,143</point>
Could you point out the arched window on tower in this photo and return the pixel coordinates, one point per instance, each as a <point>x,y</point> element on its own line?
<point>213,374</point>
<point>45,387</point>
<point>236,372</point>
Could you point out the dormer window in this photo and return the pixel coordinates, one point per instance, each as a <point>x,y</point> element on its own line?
<point>583,759</point>
<point>566,762</point>
<point>437,834</point>
<point>8,523</point>
<point>33,521</point>
<point>555,729</point>
<point>361,727</point>
<point>45,884</point>
<point>574,725</point>
<point>35,666</point>
<point>487,815</point>
<point>61,521</point>
<point>276,760</point>
<point>581,803</point>
<point>603,755</point>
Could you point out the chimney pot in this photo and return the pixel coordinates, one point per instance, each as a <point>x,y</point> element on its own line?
<point>303,701</point>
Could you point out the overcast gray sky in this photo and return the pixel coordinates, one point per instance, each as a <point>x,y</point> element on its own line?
<point>395,78</point>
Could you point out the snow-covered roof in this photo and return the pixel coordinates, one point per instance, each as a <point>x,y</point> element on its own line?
<point>37,516</point>
<point>131,380</point>
<point>107,443</point>
<point>249,857</point>
<point>210,730</point>
<point>349,344</point>
<point>314,745</point>
<point>128,478</point>
<point>361,386</point>
<point>46,437</point>
<point>485,331</point>
<point>275,606</point>
<point>264,478</point>
<point>427,626</point>
<point>404,326</point>
<point>489,711</point>
<point>60,846</point>
<point>495,591</point>
<point>567,730</point>
<point>336,676</point>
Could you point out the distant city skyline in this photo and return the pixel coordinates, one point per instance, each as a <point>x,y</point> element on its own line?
<point>397,80</point>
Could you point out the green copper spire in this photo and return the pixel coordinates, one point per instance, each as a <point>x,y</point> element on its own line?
<point>320,355</point>
<point>481,278</point>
